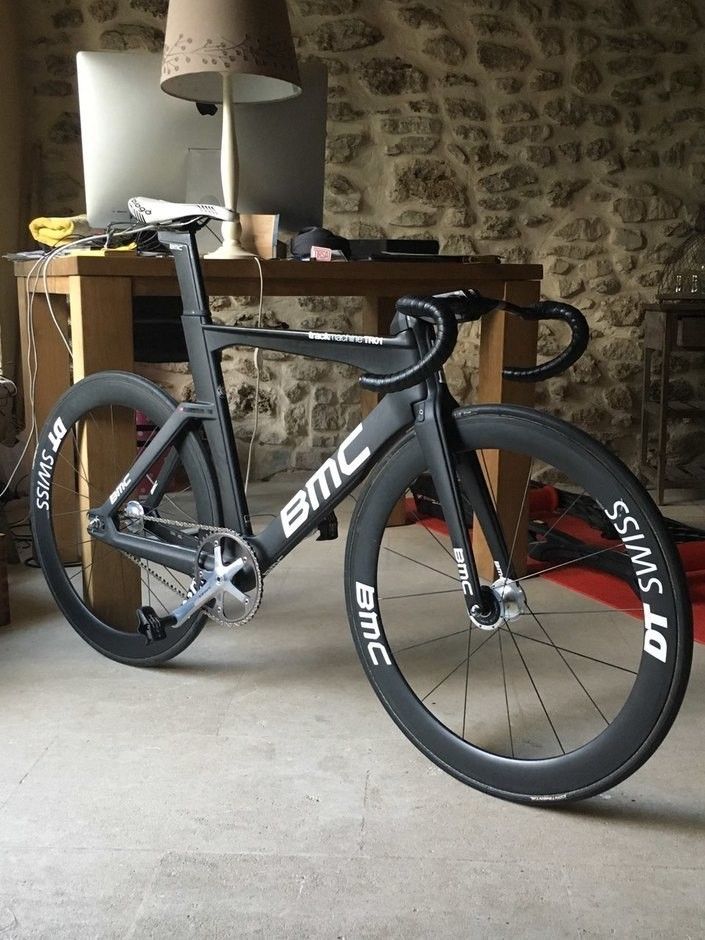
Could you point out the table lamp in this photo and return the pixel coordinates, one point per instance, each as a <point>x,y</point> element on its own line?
<point>227,51</point>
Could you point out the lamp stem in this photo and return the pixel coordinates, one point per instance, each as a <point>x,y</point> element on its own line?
<point>230,176</point>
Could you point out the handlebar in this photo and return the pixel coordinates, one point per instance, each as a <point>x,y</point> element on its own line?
<point>445,311</point>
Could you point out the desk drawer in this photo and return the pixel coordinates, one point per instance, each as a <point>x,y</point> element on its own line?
<point>691,332</point>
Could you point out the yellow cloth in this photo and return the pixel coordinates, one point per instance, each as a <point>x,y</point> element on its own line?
<point>58,231</point>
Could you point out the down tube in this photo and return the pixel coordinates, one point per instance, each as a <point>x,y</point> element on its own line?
<point>337,477</point>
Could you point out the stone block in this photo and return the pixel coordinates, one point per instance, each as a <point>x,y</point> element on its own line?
<point>391,77</point>
<point>585,42</point>
<point>430,182</point>
<point>327,7</point>
<point>571,151</point>
<point>516,112</point>
<point>462,108</point>
<point>66,129</point>
<point>498,203</point>
<point>687,79</point>
<point>630,239</point>
<point>413,124</point>
<point>560,193</point>
<point>676,16</point>
<point>445,49</point>
<point>103,10</point>
<point>454,79</point>
<point>583,229</point>
<point>529,133</point>
<point>342,148</point>
<point>414,218</point>
<point>68,18</point>
<point>507,180</point>
<point>545,80</point>
<point>617,14</point>
<point>550,41</point>
<point>343,111</point>
<point>508,84</point>
<point>418,15</point>
<point>156,8</point>
<point>470,133</point>
<point>499,58</point>
<point>586,77</point>
<point>566,112</point>
<point>132,36</point>
<point>630,65</point>
<point>414,144</point>
<point>344,35</point>
<point>498,228</point>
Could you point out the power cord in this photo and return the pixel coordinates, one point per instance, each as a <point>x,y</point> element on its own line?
<point>39,272</point>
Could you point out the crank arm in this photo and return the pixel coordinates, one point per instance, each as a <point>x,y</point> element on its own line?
<point>218,583</point>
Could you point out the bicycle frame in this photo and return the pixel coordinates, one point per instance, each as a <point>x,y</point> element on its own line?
<point>427,407</point>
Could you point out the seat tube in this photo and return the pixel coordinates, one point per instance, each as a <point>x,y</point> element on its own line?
<point>208,379</point>
<point>184,249</point>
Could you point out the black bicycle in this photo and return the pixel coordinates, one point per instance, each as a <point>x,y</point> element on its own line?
<point>492,631</point>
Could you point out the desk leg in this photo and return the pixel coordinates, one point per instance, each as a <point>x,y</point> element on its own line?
<point>39,339</point>
<point>507,340</point>
<point>644,423</point>
<point>377,316</point>
<point>101,329</point>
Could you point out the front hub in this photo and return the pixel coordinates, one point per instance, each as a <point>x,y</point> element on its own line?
<point>499,603</point>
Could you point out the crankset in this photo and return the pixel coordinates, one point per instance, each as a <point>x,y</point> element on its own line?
<point>226,584</point>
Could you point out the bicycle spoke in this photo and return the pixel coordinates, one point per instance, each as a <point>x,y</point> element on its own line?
<point>421,563</point>
<point>560,653</point>
<point>535,688</point>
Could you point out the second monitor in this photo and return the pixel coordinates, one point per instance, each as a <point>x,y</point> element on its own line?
<point>139,141</point>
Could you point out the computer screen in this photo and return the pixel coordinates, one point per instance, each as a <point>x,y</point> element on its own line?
<point>139,141</point>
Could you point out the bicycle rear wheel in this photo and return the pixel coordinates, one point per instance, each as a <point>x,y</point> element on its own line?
<point>566,696</point>
<point>107,417</point>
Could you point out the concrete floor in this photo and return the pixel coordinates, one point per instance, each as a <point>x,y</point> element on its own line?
<point>255,787</point>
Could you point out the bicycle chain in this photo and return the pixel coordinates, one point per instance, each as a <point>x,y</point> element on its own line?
<point>178,589</point>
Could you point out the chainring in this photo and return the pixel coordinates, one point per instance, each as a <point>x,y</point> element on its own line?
<point>226,557</point>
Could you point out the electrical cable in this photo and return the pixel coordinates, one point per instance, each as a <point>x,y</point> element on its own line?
<point>39,271</point>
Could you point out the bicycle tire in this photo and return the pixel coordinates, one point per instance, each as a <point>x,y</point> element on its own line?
<point>85,405</point>
<point>488,756</point>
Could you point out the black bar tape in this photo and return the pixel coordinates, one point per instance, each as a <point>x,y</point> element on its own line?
<point>439,312</point>
<point>580,336</point>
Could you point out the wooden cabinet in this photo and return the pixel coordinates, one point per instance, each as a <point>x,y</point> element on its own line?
<point>668,327</point>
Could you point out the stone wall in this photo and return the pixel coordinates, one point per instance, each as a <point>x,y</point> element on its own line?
<point>565,132</point>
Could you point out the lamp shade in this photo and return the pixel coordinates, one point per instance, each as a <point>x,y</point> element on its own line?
<point>249,40</point>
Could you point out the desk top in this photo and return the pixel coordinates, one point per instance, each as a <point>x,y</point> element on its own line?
<point>289,278</point>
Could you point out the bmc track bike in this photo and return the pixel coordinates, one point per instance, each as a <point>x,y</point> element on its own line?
<point>478,622</point>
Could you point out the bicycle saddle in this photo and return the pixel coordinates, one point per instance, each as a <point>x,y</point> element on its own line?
<point>159,212</point>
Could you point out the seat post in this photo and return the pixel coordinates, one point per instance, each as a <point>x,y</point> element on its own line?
<point>184,248</point>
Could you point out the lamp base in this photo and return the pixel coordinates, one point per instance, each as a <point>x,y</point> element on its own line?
<point>229,252</point>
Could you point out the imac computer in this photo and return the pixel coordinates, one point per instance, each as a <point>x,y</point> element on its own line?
<point>139,141</point>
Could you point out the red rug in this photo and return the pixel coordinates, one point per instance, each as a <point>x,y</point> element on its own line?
<point>601,586</point>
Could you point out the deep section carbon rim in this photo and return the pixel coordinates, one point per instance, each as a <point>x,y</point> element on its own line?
<point>571,692</point>
<point>105,423</point>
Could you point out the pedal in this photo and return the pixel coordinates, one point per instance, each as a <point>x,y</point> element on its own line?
<point>151,625</point>
<point>328,528</point>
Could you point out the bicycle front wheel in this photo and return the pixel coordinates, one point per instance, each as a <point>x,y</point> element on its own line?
<point>573,687</point>
<point>83,456</point>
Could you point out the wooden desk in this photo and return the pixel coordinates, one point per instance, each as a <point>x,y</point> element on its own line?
<point>669,327</point>
<point>92,297</point>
